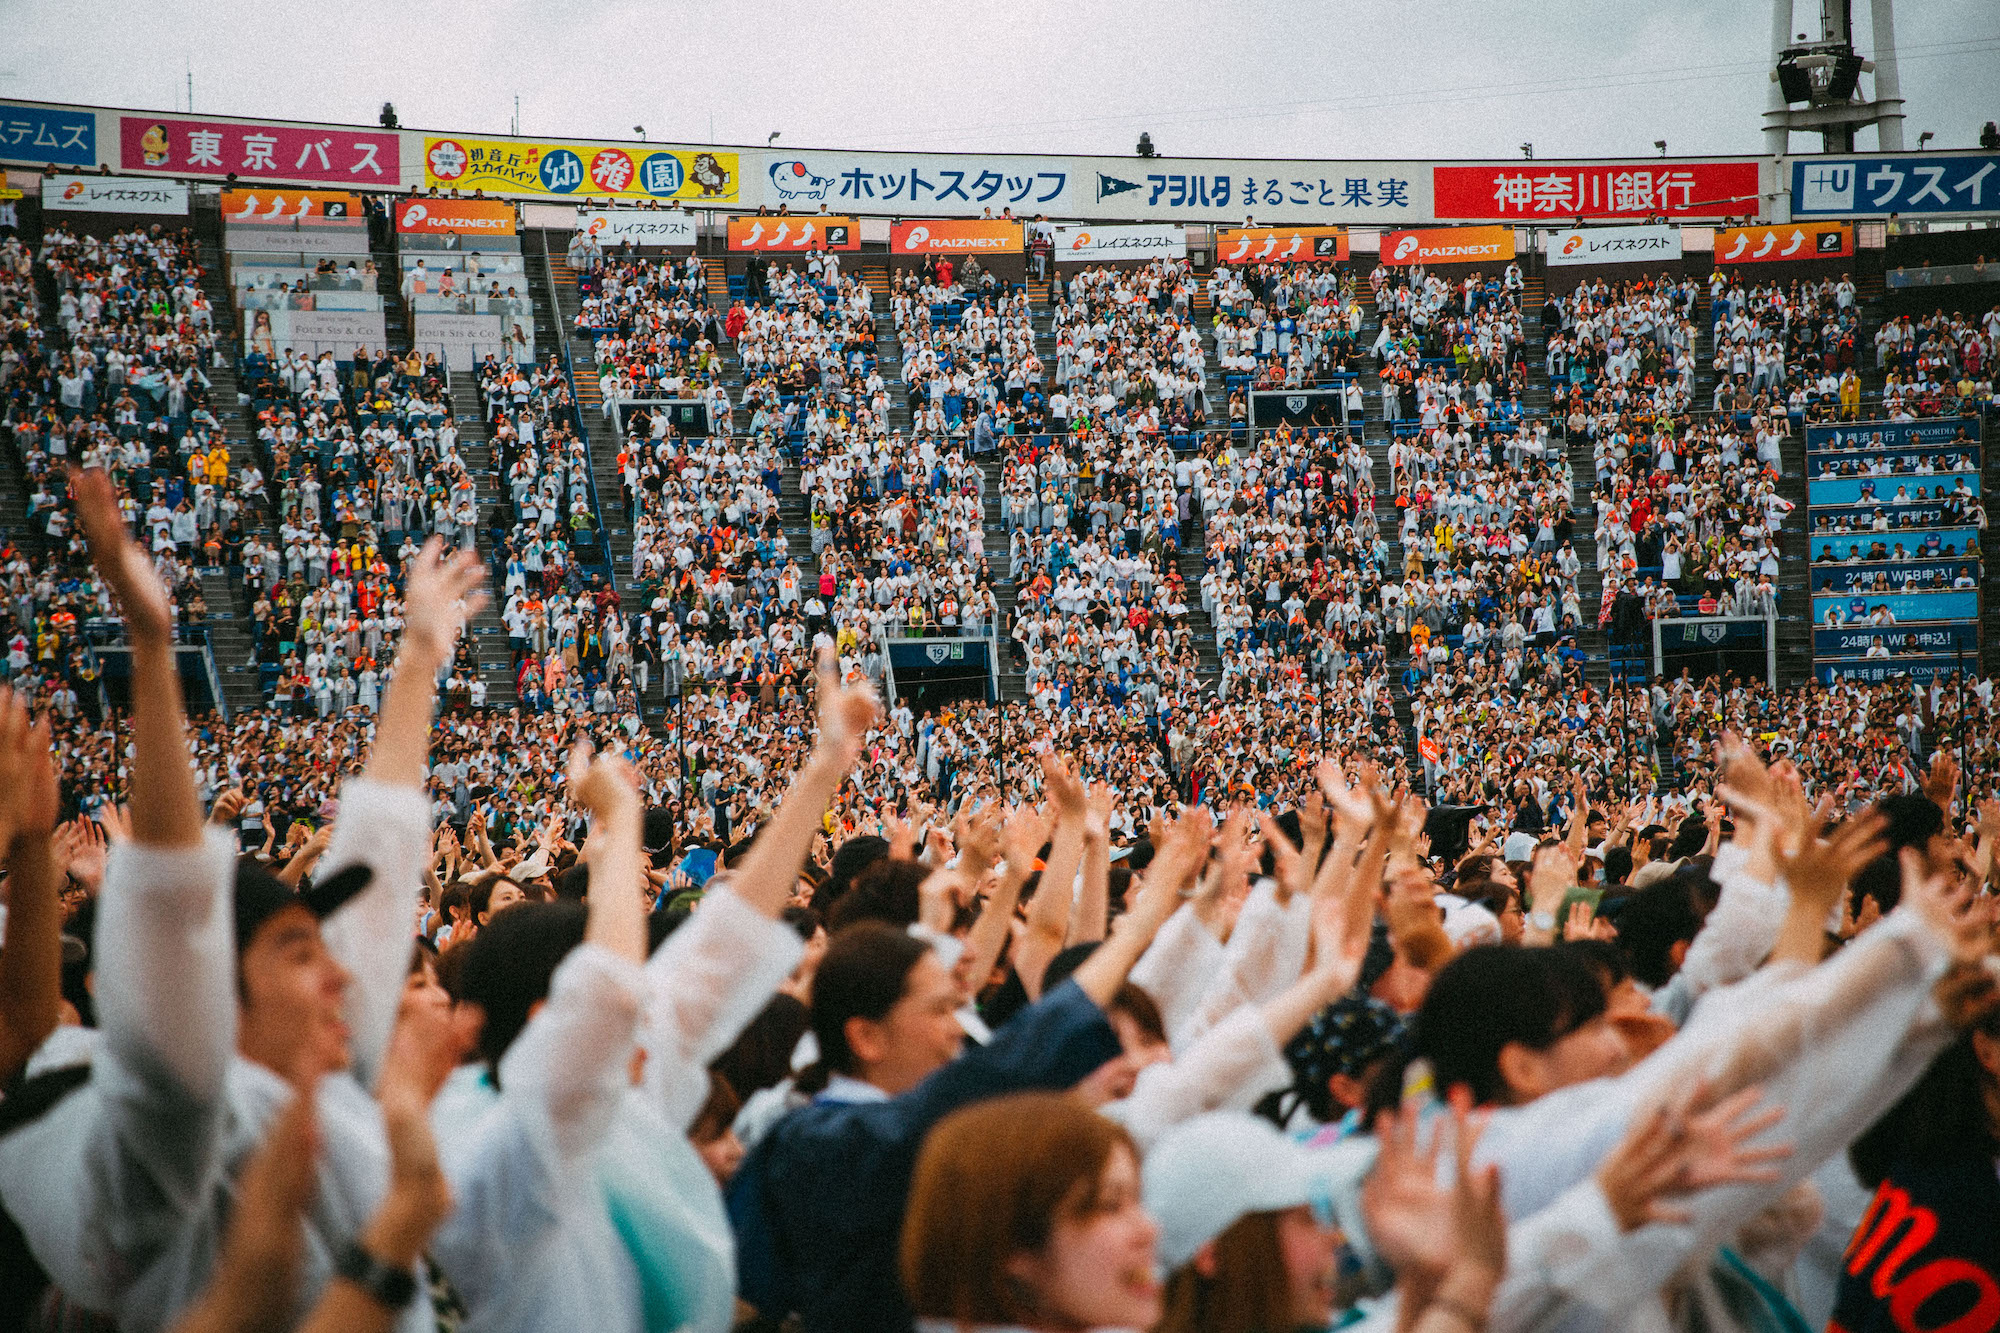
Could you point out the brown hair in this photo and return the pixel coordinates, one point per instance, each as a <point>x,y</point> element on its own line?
<point>1250,1292</point>
<point>991,1182</point>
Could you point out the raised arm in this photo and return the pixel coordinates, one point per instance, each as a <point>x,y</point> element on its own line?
<point>1050,913</point>
<point>384,817</point>
<point>1089,916</point>
<point>31,958</point>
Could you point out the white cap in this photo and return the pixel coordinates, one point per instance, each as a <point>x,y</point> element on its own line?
<point>1518,847</point>
<point>1471,923</point>
<point>1218,1167</point>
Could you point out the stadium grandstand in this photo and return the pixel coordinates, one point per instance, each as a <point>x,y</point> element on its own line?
<point>1051,557</point>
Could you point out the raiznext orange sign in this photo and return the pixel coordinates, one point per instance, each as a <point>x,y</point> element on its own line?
<point>956,236</point>
<point>1448,245</point>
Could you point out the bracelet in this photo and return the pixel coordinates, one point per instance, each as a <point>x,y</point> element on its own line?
<point>1469,1317</point>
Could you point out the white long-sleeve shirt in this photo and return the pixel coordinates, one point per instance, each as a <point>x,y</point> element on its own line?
<point>567,1178</point>
<point>125,1188</point>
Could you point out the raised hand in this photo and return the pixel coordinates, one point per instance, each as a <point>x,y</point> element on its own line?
<point>27,775</point>
<point>600,784</point>
<point>120,561</point>
<point>1693,1143</point>
<point>847,713</point>
<point>440,594</point>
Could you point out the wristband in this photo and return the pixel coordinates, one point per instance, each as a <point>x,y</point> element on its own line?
<point>391,1288</point>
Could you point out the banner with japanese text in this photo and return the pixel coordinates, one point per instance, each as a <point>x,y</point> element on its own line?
<point>115,194</point>
<point>956,236</point>
<point>1087,245</point>
<point>1789,241</point>
<point>357,158</point>
<point>41,135</point>
<point>1613,245</point>
<point>614,227</point>
<point>1280,245</point>
<point>1448,245</point>
<point>1877,186</point>
<point>793,234</point>
<point>617,171</point>
<point>1606,190</point>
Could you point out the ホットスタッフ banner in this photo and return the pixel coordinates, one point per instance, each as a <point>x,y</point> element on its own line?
<point>793,234</point>
<point>1280,245</point>
<point>956,236</point>
<point>476,217</point>
<point>621,171</point>
<point>357,158</point>
<point>613,227</point>
<point>1895,183</point>
<point>283,205</point>
<point>1448,245</point>
<point>1597,190</point>
<point>1614,245</point>
<point>1792,240</point>
<point>115,194</point>
<point>1082,245</point>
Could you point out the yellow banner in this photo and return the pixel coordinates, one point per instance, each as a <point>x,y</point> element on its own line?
<point>592,171</point>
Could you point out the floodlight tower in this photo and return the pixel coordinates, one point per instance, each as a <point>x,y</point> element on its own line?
<point>1825,75</point>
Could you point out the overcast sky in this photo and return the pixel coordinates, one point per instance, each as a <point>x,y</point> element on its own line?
<point>1254,78</point>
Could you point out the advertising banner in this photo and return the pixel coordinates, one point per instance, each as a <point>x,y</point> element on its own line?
<point>288,244</point>
<point>1875,670</point>
<point>41,135</point>
<point>789,234</point>
<point>1882,490</point>
<point>1915,576</point>
<point>473,217</point>
<point>1448,245</point>
<point>956,236</point>
<point>115,194</point>
<point>1597,190</point>
<point>1614,245</point>
<point>1913,517</point>
<point>1794,240</point>
<point>367,158</point>
<point>622,171</point>
<point>1876,186</point>
<point>614,227</point>
<point>944,183</point>
<point>281,205</point>
<point>1096,245</point>
<point>1854,640</point>
<point>1937,543</point>
<point>461,341</point>
<point>1848,436</point>
<point>1921,607</point>
<point>316,331</point>
<point>1280,245</point>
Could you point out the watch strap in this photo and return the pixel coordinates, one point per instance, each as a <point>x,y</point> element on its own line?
<point>393,1288</point>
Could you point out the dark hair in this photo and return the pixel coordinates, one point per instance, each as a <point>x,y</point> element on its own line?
<point>1651,922</point>
<point>1617,864</point>
<point>1603,958</point>
<point>573,884</point>
<point>885,891</point>
<point>761,1057</point>
<point>865,971</point>
<point>1943,1118</point>
<point>1494,995</point>
<point>803,920</point>
<point>853,856</point>
<point>508,967</point>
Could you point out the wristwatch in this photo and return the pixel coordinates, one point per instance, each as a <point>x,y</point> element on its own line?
<point>392,1288</point>
<point>1542,920</point>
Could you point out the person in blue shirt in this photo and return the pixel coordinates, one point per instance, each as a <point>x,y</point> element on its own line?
<point>818,1205</point>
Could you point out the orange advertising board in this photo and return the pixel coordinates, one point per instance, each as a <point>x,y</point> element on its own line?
<point>279,204</point>
<point>475,217</point>
<point>1448,245</point>
<point>1280,245</point>
<point>768,235</point>
<point>1787,241</point>
<point>956,236</point>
